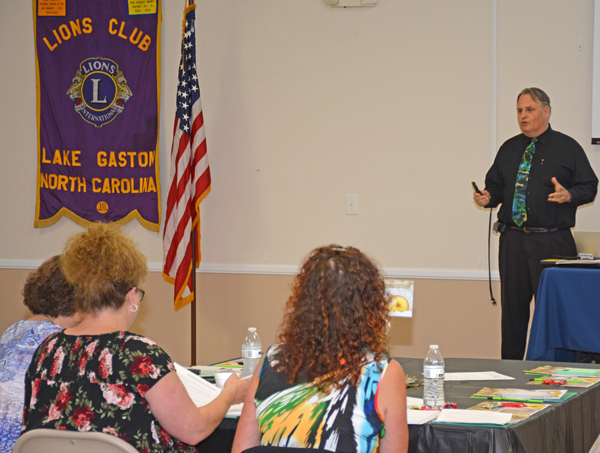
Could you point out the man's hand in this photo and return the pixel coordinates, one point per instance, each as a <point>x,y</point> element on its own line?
<point>482,200</point>
<point>560,195</point>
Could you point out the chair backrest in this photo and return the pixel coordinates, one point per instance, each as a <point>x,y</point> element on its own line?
<point>61,441</point>
<point>273,449</point>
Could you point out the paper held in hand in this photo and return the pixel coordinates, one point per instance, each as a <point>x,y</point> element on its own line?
<point>202,392</point>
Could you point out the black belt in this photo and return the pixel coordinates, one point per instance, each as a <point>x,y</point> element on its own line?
<point>534,230</point>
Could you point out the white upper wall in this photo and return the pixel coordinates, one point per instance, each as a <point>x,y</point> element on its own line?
<point>304,104</point>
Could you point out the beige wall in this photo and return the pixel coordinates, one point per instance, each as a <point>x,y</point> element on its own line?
<point>303,105</point>
<point>455,314</point>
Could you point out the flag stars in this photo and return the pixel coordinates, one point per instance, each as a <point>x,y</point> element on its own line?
<point>188,91</point>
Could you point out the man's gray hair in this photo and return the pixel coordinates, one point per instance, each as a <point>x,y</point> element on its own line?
<point>537,95</point>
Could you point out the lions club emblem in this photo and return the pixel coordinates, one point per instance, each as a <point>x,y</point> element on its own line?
<point>99,91</point>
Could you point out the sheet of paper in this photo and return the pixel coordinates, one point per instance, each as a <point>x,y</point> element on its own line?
<point>411,401</point>
<point>473,417</point>
<point>202,392</point>
<point>416,417</point>
<point>477,376</point>
<point>235,410</point>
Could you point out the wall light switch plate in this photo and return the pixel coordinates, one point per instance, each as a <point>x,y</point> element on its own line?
<point>351,204</point>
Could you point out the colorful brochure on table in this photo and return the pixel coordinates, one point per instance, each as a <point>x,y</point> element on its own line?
<point>580,382</point>
<point>565,371</point>
<point>233,363</point>
<point>527,396</point>
<point>519,413</point>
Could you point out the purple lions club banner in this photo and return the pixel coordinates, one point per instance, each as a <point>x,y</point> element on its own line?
<point>98,86</point>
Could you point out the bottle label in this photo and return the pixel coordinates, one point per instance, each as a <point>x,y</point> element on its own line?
<point>251,354</point>
<point>433,372</point>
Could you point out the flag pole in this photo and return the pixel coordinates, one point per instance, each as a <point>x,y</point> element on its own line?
<point>189,180</point>
<point>193,276</point>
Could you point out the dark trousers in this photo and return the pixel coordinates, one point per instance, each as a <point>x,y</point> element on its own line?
<point>520,270</point>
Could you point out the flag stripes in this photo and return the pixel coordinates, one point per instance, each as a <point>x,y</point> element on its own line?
<point>189,179</point>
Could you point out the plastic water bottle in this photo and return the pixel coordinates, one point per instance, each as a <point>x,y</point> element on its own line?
<point>251,351</point>
<point>433,372</point>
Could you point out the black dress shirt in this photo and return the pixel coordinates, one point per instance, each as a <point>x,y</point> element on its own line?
<point>556,155</point>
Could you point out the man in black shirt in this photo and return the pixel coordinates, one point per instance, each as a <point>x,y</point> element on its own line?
<point>540,191</point>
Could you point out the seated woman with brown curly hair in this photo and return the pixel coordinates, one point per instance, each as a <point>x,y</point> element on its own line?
<point>329,384</point>
<point>99,377</point>
<point>49,297</point>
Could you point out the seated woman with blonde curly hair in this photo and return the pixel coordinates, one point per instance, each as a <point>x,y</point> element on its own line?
<point>329,383</point>
<point>99,377</point>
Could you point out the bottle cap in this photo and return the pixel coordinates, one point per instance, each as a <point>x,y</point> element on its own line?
<point>433,346</point>
<point>251,329</point>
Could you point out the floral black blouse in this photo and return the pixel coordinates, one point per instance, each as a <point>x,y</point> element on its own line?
<point>97,383</point>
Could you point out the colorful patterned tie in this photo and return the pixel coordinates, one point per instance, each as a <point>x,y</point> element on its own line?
<point>519,209</point>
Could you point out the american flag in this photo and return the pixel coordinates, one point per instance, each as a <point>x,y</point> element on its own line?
<point>189,178</point>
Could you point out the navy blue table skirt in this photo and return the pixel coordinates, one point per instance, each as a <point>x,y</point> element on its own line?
<point>567,314</point>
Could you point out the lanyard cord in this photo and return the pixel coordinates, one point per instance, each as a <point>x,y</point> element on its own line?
<point>489,260</point>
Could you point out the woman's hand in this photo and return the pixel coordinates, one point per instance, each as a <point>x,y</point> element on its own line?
<point>237,388</point>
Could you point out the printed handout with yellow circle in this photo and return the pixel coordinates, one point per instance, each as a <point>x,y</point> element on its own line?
<point>401,294</point>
